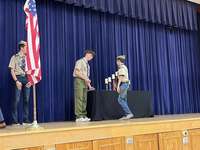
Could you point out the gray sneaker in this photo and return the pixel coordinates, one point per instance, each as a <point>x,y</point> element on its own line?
<point>80,119</point>
<point>83,119</point>
<point>127,117</point>
<point>26,124</point>
<point>87,119</point>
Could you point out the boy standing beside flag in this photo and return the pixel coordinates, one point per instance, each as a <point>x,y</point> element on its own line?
<point>17,66</point>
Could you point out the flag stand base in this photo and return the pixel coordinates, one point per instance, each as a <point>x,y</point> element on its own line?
<point>35,126</point>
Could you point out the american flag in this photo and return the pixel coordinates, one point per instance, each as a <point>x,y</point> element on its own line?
<point>33,66</point>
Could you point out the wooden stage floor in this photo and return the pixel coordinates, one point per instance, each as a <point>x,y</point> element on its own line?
<point>66,132</point>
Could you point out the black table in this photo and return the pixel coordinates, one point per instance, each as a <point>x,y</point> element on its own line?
<point>103,105</point>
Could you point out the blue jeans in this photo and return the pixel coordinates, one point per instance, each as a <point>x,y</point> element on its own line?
<point>1,116</point>
<point>26,94</point>
<point>122,99</point>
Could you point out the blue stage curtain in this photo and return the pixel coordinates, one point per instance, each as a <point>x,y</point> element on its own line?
<point>176,13</point>
<point>161,59</point>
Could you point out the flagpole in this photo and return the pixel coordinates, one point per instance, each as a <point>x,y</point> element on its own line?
<point>34,105</point>
<point>35,125</point>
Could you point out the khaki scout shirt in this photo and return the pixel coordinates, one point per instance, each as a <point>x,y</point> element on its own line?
<point>17,62</point>
<point>83,66</point>
<point>123,71</point>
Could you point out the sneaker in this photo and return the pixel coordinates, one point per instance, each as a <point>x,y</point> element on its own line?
<point>80,119</point>
<point>15,124</point>
<point>129,116</point>
<point>122,118</point>
<point>87,119</point>
<point>26,124</point>
<point>83,119</point>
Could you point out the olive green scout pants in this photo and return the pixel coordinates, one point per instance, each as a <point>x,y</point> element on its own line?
<point>80,94</point>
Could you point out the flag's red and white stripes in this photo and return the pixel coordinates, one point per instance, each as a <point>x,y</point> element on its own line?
<point>33,66</point>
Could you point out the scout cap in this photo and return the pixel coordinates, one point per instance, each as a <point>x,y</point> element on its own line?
<point>121,58</point>
<point>89,51</point>
<point>22,43</point>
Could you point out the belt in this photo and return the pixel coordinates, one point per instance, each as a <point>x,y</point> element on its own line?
<point>78,78</point>
<point>125,82</point>
<point>22,75</point>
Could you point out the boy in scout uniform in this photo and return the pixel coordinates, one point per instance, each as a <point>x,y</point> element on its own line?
<point>17,66</point>
<point>82,83</point>
<point>122,87</point>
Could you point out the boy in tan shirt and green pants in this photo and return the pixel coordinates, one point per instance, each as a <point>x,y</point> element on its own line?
<point>82,83</point>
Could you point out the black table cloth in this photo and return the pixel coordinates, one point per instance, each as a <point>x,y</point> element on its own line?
<point>103,105</point>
